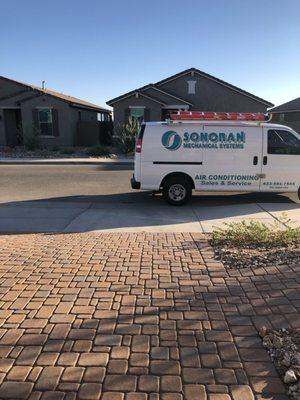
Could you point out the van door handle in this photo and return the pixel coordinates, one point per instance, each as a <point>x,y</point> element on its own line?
<point>255,160</point>
<point>262,176</point>
<point>265,160</point>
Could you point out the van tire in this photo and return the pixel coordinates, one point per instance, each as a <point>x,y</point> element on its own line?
<point>177,191</point>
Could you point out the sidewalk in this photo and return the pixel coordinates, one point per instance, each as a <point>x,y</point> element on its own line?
<point>115,214</point>
<point>66,161</point>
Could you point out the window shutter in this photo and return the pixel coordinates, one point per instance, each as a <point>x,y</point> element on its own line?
<point>35,118</point>
<point>126,114</point>
<point>55,122</point>
<point>147,114</point>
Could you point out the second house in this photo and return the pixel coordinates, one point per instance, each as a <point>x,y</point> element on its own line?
<point>191,89</point>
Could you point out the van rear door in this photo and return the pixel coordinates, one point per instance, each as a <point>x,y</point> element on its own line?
<point>281,160</point>
<point>170,148</point>
<point>231,158</point>
<point>138,152</point>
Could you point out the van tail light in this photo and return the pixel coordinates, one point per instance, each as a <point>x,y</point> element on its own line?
<point>138,146</point>
<point>139,139</point>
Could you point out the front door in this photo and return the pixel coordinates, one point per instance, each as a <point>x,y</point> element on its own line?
<point>13,127</point>
<point>281,160</point>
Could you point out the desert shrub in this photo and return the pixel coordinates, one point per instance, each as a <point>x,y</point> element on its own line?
<point>31,137</point>
<point>124,137</point>
<point>98,151</point>
<point>256,234</point>
<point>67,151</point>
<point>55,148</point>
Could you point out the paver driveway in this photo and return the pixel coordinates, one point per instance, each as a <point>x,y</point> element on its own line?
<point>136,316</point>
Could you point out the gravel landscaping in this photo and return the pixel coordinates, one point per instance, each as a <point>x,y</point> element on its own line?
<point>283,346</point>
<point>59,152</point>
<point>255,244</point>
<point>233,257</point>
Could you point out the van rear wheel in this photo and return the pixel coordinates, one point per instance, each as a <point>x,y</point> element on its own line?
<point>177,191</point>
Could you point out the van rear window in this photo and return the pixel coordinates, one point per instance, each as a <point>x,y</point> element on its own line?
<point>141,132</point>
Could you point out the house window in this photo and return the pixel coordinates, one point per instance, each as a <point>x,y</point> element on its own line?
<point>281,117</point>
<point>191,87</point>
<point>45,121</point>
<point>137,113</point>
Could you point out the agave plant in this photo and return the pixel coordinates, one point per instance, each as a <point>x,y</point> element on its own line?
<point>125,135</point>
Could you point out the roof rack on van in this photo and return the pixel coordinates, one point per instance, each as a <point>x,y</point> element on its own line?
<point>220,116</point>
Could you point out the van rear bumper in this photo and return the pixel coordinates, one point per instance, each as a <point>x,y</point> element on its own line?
<point>134,183</point>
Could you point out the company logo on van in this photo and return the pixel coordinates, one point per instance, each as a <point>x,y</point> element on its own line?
<point>171,140</point>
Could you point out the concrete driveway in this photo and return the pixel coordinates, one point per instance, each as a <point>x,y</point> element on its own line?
<point>47,198</point>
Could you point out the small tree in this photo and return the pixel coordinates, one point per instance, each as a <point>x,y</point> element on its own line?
<point>125,135</point>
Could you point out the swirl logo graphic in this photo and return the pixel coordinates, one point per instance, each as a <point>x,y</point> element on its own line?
<point>171,140</point>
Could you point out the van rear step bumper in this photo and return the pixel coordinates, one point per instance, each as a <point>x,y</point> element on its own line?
<point>134,183</point>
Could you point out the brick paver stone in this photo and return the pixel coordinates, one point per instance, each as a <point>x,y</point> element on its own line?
<point>90,391</point>
<point>120,383</point>
<point>49,378</point>
<point>148,383</point>
<point>242,392</point>
<point>93,359</point>
<point>15,390</point>
<point>192,392</point>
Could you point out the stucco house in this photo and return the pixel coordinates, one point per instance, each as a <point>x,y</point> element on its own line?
<point>191,89</point>
<point>54,116</point>
<point>288,114</point>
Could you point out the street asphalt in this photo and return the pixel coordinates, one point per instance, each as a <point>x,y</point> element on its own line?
<point>83,198</point>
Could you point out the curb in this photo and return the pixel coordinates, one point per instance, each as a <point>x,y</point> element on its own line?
<point>67,162</point>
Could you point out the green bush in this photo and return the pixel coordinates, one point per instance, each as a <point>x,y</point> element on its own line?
<point>31,137</point>
<point>98,151</point>
<point>257,234</point>
<point>67,150</point>
<point>124,137</point>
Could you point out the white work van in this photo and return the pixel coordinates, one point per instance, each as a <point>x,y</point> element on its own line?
<point>178,156</point>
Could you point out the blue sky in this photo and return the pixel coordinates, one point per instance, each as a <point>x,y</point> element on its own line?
<point>97,50</point>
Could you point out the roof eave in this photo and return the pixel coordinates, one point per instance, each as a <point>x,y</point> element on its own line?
<point>152,86</point>
<point>100,110</point>
<point>132,93</point>
<point>282,111</point>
